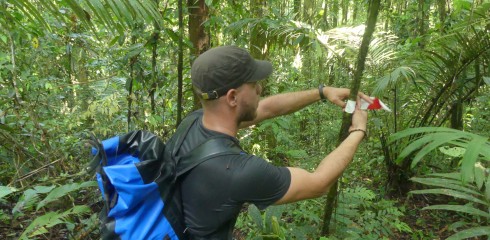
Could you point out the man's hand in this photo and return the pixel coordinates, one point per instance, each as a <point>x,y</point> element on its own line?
<point>338,95</point>
<point>359,119</point>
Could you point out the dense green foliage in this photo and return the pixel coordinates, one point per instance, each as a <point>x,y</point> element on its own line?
<point>69,67</point>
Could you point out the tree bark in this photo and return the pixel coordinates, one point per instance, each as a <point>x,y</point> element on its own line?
<point>345,11</point>
<point>180,64</point>
<point>325,24</point>
<point>346,119</point>
<point>198,14</point>
<point>441,7</point>
<point>335,13</point>
<point>297,9</point>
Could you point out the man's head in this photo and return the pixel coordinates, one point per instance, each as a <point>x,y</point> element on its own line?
<point>220,69</point>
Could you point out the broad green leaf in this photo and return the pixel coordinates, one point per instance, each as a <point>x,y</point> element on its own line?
<point>51,219</point>
<point>44,189</point>
<point>276,229</point>
<point>256,216</point>
<point>61,191</point>
<point>31,11</point>
<point>80,12</point>
<point>30,197</point>
<point>487,80</point>
<point>101,12</point>
<point>447,183</point>
<point>134,51</point>
<point>77,210</point>
<point>452,151</point>
<point>470,157</point>
<point>438,140</point>
<point>38,223</point>
<point>479,175</point>
<point>470,233</point>
<point>413,131</point>
<point>4,191</point>
<point>415,145</point>
<point>297,153</point>
<point>487,188</point>
<point>38,231</point>
<point>451,193</point>
<point>459,208</point>
<point>453,175</point>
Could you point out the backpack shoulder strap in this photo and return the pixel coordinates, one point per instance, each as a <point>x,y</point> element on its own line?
<point>211,148</point>
<point>181,132</point>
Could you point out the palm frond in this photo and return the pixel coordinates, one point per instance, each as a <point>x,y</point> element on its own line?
<point>477,147</point>
<point>115,16</point>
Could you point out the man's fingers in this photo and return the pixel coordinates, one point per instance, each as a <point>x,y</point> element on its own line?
<point>365,97</point>
<point>339,102</point>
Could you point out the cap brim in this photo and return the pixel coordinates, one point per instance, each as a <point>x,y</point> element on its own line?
<point>263,70</point>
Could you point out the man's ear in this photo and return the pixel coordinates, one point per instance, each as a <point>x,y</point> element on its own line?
<point>231,97</point>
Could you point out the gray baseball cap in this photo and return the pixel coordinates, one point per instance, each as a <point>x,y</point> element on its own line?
<point>223,68</point>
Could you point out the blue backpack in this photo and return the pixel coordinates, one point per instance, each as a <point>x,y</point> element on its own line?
<point>138,176</point>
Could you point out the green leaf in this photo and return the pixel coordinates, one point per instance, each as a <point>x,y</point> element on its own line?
<point>4,191</point>
<point>50,219</point>
<point>479,175</point>
<point>451,193</point>
<point>43,189</point>
<point>452,151</point>
<point>134,51</point>
<point>38,223</point>
<point>470,157</point>
<point>447,183</point>
<point>487,188</point>
<point>30,197</point>
<point>470,233</point>
<point>413,131</point>
<point>297,154</point>
<point>438,140</point>
<point>487,80</point>
<point>459,208</point>
<point>256,216</point>
<point>61,191</point>
<point>6,128</point>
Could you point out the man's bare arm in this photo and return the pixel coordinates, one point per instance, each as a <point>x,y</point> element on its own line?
<point>286,103</point>
<point>305,185</point>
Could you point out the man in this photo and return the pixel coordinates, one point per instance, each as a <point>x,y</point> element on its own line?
<point>226,78</point>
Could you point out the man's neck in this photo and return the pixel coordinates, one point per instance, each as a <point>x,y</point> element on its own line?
<point>219,123</point>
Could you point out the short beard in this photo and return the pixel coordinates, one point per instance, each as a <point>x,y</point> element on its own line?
<point>248,114</point>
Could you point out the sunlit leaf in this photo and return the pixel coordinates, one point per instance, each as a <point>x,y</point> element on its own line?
<point>453,151</point>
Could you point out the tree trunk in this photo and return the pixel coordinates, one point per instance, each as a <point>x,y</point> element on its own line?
<point>180,64</point>
<point>346,119</point>
<point>335,13</point>
<point>198,14</point>
<point>422,25</point>
<point>355,11</point>
<point>441,7</point>
<point>297,9</point>
<point>345,11</point>
<point>388,14</point>
<point>325,25</point>
<point>154,78</point>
